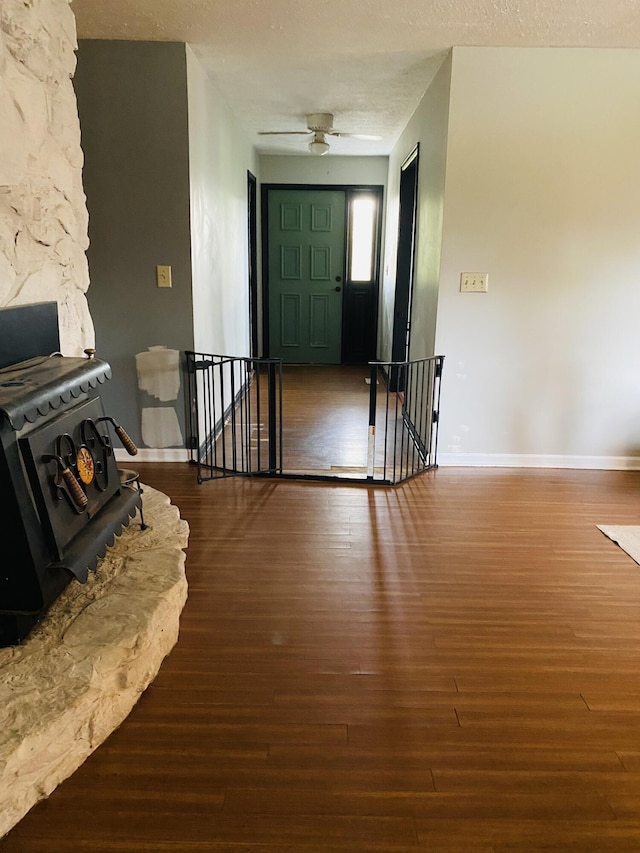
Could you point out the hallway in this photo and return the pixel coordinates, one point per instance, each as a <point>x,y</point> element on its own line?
<point>325,419</point>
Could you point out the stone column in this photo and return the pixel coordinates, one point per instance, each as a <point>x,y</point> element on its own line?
<point>43,213</point>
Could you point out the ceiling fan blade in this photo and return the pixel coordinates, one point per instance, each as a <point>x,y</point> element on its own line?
<point>284,132</point>
<point>368,136</point>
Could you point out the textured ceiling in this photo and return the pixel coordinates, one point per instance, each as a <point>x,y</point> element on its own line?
<point>366,61</point>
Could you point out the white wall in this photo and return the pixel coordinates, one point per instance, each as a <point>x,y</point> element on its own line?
<point>220,157</point>
<point>428,127</point>
<point>329,169</point>
<point>43,216</point>
<point>543,193</point>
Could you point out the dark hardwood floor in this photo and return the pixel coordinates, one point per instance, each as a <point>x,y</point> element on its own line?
<point>325,426</point>
<point>449,665</point>
<point>325,419</point>
<point>326,423</point>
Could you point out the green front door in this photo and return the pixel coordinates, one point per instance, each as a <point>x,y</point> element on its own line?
<point>306,236</point>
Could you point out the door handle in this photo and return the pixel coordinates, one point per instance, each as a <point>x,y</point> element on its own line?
<point>337,289</point>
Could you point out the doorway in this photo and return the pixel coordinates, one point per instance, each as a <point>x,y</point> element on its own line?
<point>405,262</point>
<point>252,232</point>
<point>321,250</point>
<point>305,254</point>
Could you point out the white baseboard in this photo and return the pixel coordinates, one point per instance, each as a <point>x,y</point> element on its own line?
<point>153,454</point>
<point>451,460</point>
<point>526,460</point>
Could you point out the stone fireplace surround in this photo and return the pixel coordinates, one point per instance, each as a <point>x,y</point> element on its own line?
<point>82,669</point>
<point>43,212</point>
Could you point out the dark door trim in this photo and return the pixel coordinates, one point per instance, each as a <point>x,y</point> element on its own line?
<point>359,340</point>
<point>349,190</point>
<point>252,225</point>
<point>406,257</point>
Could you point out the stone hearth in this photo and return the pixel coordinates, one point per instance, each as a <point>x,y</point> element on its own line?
<point>83,668</point>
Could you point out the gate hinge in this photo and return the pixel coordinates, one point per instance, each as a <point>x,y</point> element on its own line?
<point>435,417</point>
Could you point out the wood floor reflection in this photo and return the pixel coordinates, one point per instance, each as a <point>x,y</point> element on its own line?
<point>449,665</point>
<point>325,419</point>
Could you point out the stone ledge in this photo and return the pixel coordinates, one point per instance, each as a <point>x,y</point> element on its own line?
<point>84,667</point>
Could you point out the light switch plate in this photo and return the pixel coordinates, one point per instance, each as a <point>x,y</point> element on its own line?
<point>474,282</point>
<point>163,276</point>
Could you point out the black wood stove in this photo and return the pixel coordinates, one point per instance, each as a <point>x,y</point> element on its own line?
<point>62,501</point>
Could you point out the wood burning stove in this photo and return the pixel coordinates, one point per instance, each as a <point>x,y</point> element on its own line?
<point>62,501</point>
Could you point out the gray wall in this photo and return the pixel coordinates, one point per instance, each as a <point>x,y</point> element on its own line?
<point>132,102</point>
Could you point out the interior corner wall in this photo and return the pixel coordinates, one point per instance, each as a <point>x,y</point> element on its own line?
<point>43,215</point>
<point>428,129</point>
<point>543,194</point>
<point>132,100</point>
<point>219,158</point>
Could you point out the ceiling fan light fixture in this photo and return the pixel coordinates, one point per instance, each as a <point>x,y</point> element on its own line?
<point>318,145</point>
<point>320,122</point>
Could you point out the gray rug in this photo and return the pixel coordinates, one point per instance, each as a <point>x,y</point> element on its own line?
<point>626,536</point>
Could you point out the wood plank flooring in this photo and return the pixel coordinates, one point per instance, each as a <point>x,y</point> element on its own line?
<point>450,665</point>
<point>325,431</point>
<point>325,427</point>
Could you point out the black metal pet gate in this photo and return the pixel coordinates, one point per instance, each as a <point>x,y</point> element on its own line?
<point>236,419</point>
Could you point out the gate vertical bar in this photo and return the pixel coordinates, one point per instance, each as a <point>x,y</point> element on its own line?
<point>222,423</point>
<point>273,458</point>
<point>422,426</point>
<point>436,413</point>
<point>371,443</point>
<point>258,381</point>
<point>279,364</point>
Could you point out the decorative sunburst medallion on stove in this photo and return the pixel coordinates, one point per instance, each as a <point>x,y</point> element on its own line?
<point>85,465</point>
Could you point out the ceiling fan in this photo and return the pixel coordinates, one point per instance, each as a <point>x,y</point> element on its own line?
<point>319,126</point>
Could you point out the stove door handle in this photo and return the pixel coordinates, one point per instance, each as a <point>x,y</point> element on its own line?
<point>128,445</point>
<point>75,489</point>
<point>73,486</point>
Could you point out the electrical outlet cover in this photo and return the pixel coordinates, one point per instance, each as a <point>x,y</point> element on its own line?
<point>474,282</point>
